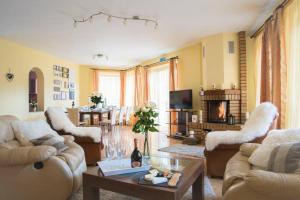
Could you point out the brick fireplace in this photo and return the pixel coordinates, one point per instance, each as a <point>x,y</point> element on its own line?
<point>225,102</point>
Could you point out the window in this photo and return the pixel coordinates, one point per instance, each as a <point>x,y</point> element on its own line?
<point>159,91</point>
<point>109,85</point>
<point>129,88</point>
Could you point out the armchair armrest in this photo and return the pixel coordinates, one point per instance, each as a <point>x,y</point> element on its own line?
<point>248,148</point>
<point>25,155</point>
<point>274,185</point>
<point>68,138</point>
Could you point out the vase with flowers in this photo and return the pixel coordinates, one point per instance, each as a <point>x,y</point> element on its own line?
<point>96,99</point>
<point>146,122</point>
<point>33,105</point>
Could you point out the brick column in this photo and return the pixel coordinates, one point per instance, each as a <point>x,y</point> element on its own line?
<point>243,74</point>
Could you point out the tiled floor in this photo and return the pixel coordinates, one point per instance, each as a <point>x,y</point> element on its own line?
<point>119,143</point>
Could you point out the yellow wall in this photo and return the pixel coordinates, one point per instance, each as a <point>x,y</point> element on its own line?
<point>14,95</point>
<point>220,67</point>
<point>231,61</point>
<point>213,61</point>
<point>251,74</point>
<point>85,86</point>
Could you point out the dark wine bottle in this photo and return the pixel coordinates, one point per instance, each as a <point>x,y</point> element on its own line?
<point>136,156</point>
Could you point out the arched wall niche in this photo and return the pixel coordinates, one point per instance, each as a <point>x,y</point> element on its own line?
<point>36,90</point>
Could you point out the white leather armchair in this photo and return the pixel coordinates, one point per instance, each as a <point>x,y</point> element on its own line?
<point>37,172</point>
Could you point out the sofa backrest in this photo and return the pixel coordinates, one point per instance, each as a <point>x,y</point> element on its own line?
<point>6,131</point>
<point>260,120</point>
<point>58,119</point>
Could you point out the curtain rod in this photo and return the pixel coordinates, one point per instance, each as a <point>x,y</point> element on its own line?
<point>261,28</point>
<point>160,62</point>
<point>114,70</point>
<point>147,66</point>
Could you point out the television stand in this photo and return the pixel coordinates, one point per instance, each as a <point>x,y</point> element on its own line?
<point>178,120</point>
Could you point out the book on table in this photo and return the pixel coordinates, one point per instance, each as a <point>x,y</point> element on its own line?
<point>120,166</point>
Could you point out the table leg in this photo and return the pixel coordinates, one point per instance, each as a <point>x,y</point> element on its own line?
<point>108,115</point>
<point>198,188</point>
<point>81,117</point>
<point>100,117</point>
<point>90,193</point>
<point>92,118</point>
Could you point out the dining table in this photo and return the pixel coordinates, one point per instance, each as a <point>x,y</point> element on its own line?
<point>92,113</point>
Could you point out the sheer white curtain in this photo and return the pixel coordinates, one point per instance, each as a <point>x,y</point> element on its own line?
<point>129,88</point>
<point>159,91</point>
<point>292,23</point>
<point>109,85</point>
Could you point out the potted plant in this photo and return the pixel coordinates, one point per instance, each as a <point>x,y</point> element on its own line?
<point>96,99</point>
<point>33,105</point>
<point>146,122</point>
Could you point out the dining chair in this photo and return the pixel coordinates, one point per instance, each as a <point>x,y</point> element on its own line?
<point>128,115</point>
<point>121,115</point>
<point>109,123</point>
<point>73,114</point>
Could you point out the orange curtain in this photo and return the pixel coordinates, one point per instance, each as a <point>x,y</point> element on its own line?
<point>173,78</point>
<point>123,87</point>
<point>139,87</point>
<point>146,84</point>
<point>95,86</point>
<point>273,66</point>
<point>173,85</point>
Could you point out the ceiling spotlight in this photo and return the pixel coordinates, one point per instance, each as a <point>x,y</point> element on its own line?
<point>91,19</point>
<point>136,17</point>
<point>156,26</point>
<point>100,56</point>
<point>109,18</point>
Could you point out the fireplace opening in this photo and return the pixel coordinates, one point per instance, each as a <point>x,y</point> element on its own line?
<point>217,111</point>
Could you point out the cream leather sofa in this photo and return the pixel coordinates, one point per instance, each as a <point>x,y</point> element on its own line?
<point>243,181</point>
<point>36,172</point>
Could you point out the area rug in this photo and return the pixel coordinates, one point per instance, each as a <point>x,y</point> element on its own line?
<point>184,149</point>
<point>107,195</point>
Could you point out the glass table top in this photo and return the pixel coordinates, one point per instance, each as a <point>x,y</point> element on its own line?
<point>167,163</point>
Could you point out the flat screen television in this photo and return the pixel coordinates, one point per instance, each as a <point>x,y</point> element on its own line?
<point>181,99</point>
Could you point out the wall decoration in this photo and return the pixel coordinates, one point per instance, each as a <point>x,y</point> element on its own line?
<point>63,83</point>
<point>10,76</point>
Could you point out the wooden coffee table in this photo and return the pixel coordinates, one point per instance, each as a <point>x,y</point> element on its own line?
<point>192,170</point>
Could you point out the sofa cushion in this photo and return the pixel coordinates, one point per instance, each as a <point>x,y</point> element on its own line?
<point>51,140</point>
<point>10,144</point>
<point>236,168</point>
<point>6,132</point>
<point>73,156</point>
<point>30,130</point>
<point>285,158</point>
<point>260,157</point>
<point>247,149</point>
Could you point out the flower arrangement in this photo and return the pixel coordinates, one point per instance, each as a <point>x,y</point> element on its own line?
<point>96,98</point>
<point>146,116</point>
<point>33,103</point>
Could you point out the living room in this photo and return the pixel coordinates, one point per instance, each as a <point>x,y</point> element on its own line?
<point>167,100</point>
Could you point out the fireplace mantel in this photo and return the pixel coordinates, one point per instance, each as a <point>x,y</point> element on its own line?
<point>222,92</point>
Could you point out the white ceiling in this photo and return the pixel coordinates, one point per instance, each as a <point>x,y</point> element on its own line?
<point>47,25</point>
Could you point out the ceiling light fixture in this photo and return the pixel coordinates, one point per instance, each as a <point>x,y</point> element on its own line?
<point>100,56</point>
<point>110,17</point>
